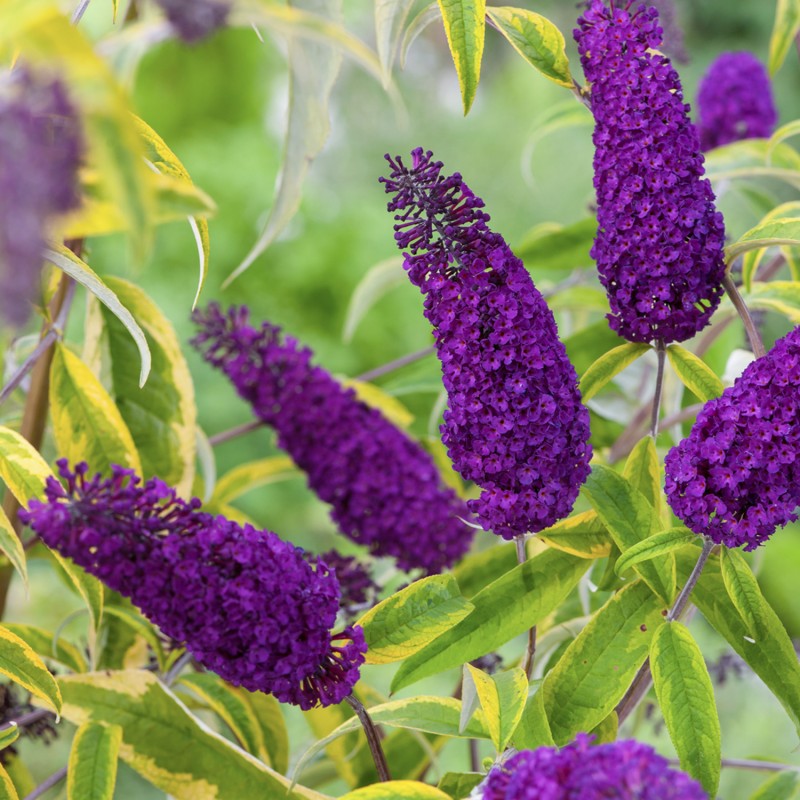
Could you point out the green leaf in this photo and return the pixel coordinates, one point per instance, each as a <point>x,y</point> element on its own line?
<point>607,730</point>
<point>536,39</point>
<point>390,19</point>
<point>686,697</point>
<point>608,366</point>
<point>92,767</point>
<point>459,785</point>
<point>397,790</point>
<point>48,647</point>
<point>140,627</point>
<point>502,698</point>
<point>536,589</point>
<point>407,621</point>
<point>629,519</point>
<point>9,734</point>
<point>22,468</point>
<point>780,296</point>
<point>596,670</point>
<point>231,706</point>
<point>478,570</point>
<point>425,17</point>
<point>165,743</point>
<point>83,274</point>
<point>534,729</point>
<point>782,786</point>
<point>694,373</point>
<point>465,26</point>
<point>313,69</point>
<point>772,655</point>
<point>643,471</point>
<point>777,228</point>
<point>161,416</point>
<point>590,344</point>
<point>11,547</point>
<point>251,475</point>
<point>565,248</point>
<point>376,283</point>
<point>7,789</point>
<point>86,423</point>
<point>787,25</point>
<point>20,663</point>
<point>581,535</point>
<point>742,588</point>
<point>655,545</point>
<point>270,719</point>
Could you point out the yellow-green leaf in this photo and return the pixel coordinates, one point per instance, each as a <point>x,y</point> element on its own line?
<point>48,647</point>
<point>161,415</point>
<point>694,373</point>
<point>686,697</point>
<point>251,475</point>
<point>20,663</point>
<point>780,227</point>
<point>559,247</point>
<point>9,734</point>
<point>397,790</point>
<point>11,547</point>
<point>787,25</point>
<point>92,766</point>
<point>582,535</point>
<point>536,39</point>
<point>7,789</point>
<point>376,283</point>
<point>131,619</point>
<point>502,698</point>
<point>656,545</point>
<point>643,471</point>
<point>375,397</point>
<point>609,365</point>
<point>533,729</point>
<point>86,423</point>
<point>465,26</point>
<point>742,588</point>
<point>408,620</point>
<point>22,469</point>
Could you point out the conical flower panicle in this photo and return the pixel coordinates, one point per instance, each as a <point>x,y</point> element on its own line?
<point>735,101</point>
<point>384,489</point>
<point>514,423</point>
<point>193,20</point>
<point>659,246</point>
<point>246,604</point>
<point>41,146</point>
<point>624,770</point>
<point>736,477</point>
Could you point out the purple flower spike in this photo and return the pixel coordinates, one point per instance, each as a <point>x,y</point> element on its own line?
<point>736,477</point>
<point>193,20</point>
<point>735,101</point>
<point>246,604</point>
<point>659,246</point>
<point>514,423</point>
<point>625,770</point>
<point>41,146</point>
<point>385,490</point>
<point>673,46</point>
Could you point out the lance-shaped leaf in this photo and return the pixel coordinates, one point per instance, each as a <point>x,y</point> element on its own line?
<point>397,790</point>
<point>86,423</point>
<point>629,519</point>
<point>582,535</point>
<point>536,39</point>
<point>465,26</point>
<point>563,248</point>
<point>7,789</point>
<point>780,227</point>
<point>48,647</point>
<point>782,786</point>
<point>377,282</point>
<point>20,663</point>
<point>533,729</point>
<point>165,743</point>
<point>643,471</point>
<point>787,25</point>
<point>374,396</point>
<point>251,475</point>
<point>161,416</point>
<point>694,373</point>
<point>478,570</point>
<point>459,785</point>
<point>506,608</point>
<point>780,296</point>
<point>609,365</point>
<point>390,19</point>
<point>502,698</point>
<point>11,547</point>
<point>742,587</point>
<point>404,623</point>
<point>656,545</point>
<point>597,668</point>
<point>92,767</point>
<point>22,468</point>
<point>686,697</point>
<point>9,734</point>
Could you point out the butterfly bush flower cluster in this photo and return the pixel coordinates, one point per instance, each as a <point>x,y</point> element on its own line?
<point>514,423</point>
<point>246,604</point>
<point>735,101</point>
<point>624,770</point>
<point>193,20</point>
<point>736,477</point>
<point>41,146</point>
<point>358,589</point>
<point>384,489</point>
<point>659,246</point>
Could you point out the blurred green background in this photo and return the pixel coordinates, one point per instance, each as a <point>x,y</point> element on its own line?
<point>221,107</point>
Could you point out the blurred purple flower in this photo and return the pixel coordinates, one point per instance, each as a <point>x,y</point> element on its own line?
<point>41,146</point>
<point>193,20</point>
<point>736,477</point>
<point>625,770</point>
<point>673,46</point>
<point>735,101</point>
<point>659,247</point>
<point>358,589</point>
<point>384,489</point>
<point>514,423</point>
<point>246,604</point>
